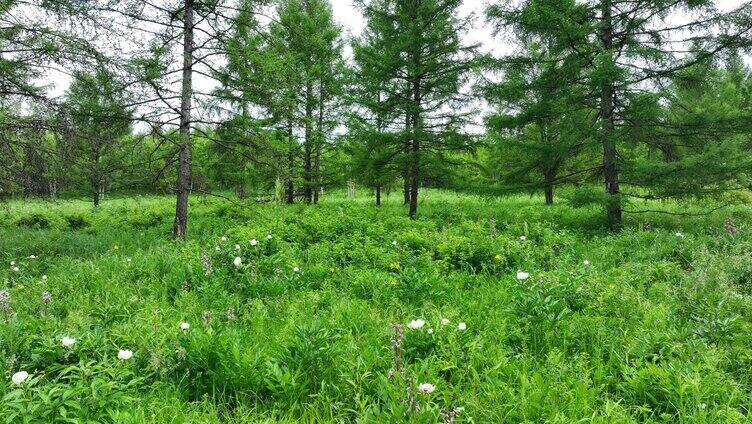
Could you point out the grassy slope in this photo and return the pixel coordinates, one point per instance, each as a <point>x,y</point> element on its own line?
<point>656,329</point>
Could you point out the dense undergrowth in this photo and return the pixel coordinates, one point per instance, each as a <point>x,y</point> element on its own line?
<point>656,328</point>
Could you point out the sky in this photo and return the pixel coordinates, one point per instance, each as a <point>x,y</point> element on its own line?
<point>352,21</point>
<point>349,17</point>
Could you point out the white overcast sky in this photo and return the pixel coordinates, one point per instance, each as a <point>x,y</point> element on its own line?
<point>352,23</point>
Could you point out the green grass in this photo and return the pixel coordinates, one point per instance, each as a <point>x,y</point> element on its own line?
<point>655,329</point>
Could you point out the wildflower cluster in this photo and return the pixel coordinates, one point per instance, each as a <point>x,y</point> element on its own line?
<point>5,305</point>
<point>206,263</point>
<point>240,261</point>
<point>46,299</point>
<point>730,226</point>
<point>397,350</point>
<point>398,367</point>
<point>20,377</point>
<point>448,417</point>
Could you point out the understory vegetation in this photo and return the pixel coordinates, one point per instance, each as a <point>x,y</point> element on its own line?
<point>480,310</point>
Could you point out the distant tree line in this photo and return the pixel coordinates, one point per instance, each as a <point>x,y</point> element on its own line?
<point>270,100</point>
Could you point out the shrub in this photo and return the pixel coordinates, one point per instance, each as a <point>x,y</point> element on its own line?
<point>36,221</point>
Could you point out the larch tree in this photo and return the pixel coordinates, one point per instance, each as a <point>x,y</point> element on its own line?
<point>33,41</point>
<point>245,136</point>
<point>427,67</point>
<point>542,122</point>
<point>163,47</point>
<point>95,110</point>
<point>311,47</point>
<point>375,121</point>
<point>696,132</point>
<point>626,48</point>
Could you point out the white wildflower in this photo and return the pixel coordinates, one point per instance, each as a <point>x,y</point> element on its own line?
<point>586,262</point>
<point>125,354</point>
<point>416,324</point>
<point>462,326</point>
<point>68,341</point>
<point>523,275</point>
<point>237,247</point>
<point>429,331</point>
<point>445,321</point>
<point>237,261</point>
<point>254,242</point>
<point>224,238</point>
<point>426,388</point>
<point>269,237</point>
<point>523,238</point>
<point>19,377</point>
<point>185,326</point>
<point>296,269</point>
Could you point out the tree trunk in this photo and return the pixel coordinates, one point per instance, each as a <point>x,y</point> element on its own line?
<point>378,195</point>
<point>317,175</point>
<point>406,174</point>
<point>549,194</point>
<point>414,177</point>
<point>415,151</point>
<point>548,185</point>
<point>290,190</point>
<point>29,174</point>
<point>97,187</point>
<point>180,227</point>
<point>417,127</point>
<point>308,142</point>
<point>406,188</point>
<point>610,157</point>
<point>319,144</point>
<point>96,175</point>
<point>350,189</point>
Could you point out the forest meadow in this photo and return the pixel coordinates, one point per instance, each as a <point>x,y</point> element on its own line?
<point>375,211</point>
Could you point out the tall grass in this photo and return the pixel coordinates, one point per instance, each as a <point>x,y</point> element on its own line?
<point>655,329</point>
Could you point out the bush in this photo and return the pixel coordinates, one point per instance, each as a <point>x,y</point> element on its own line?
<point>36,221</point>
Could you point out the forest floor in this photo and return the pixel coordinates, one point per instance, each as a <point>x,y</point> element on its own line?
<point>509,312</point>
